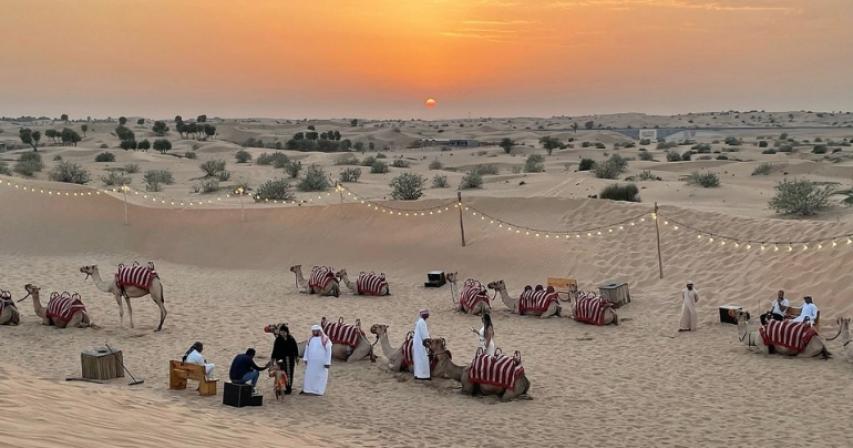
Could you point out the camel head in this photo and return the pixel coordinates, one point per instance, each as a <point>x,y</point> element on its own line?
<point>31,290</point>
<point>89,270</point>
<point>452,277</point>
<point>497,285</point>
<point>296,268</point>
<point>341,274</point>
<point>275,329</point>
<point>437,346</point>
<point>379,329</point>
<point>742,317</point>
<point>843,328</point>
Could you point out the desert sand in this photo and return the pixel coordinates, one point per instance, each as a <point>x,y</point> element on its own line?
<point>638,384</point>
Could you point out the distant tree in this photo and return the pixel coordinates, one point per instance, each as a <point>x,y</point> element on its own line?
<point>70,136</point>
<point>178,119</point>
<point>507,144</point>
<point>575,127</point>
<point>311,127</point>
<point>144,145</point>
<point>589,124</point>
<point>128,144</point>
<point>140,121</point>
<point>201,118</point>
<point>162,145</point>
<point>122,121</point>
<point>209,130</point>
<point>181,128</point>
<point>311,135</point>
<point>242,156</point>
<point>353,122</point>
<point>550,143</point>
<point>84,128</point>
<point>371,146</point>
<point>124,133</point>
<point>52,134</point>
<point>160,128</point>
<point>192,128</point>
<point>64,117</point>
<point>359,146</point>
<point>30,137</point>
<point>407,187</point>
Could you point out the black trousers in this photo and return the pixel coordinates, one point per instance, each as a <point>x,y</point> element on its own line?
<point>288,364</point>
<point>768,315</point>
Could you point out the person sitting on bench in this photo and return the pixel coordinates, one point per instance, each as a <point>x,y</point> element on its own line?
<point>244,370</point>
<point>808,313</point>
<point>777,310</point>
<point>193,356</point>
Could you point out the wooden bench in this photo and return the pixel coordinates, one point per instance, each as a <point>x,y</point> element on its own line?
<point>563,285</point>
<point>180,372</point>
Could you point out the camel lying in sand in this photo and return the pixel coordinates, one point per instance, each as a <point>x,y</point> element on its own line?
<point>844,333</point>
<point>815,347</point>
<point>447,369</point>
<point>329,287</point>
<point>479,307</point>
<point>374,284</point>
<point>609,315</point>
<point>341,352</point>
<point>55,315</point>
<point>155,290</point>
<point>553,307</point>
<point>9,314</point>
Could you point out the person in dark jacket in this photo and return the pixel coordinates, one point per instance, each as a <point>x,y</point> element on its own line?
<point>244,370</point>
<point>285,353</point>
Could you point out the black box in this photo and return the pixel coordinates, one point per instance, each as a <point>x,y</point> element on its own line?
<point>435,279</point>
<point>239,395</point>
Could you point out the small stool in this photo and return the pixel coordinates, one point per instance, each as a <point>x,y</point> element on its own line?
<point>240,395</point>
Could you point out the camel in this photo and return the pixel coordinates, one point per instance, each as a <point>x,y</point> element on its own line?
<point>394,357</point>
<point>499,286</point>
<point>447,369</point>
<point>9,314</point>
<point>477,310</point>
<point>815,347</point>
<point>79,318</point>
<point>384,290</point>
<point>333,288</point>
<point>129,292</point>
<point>341,352</point>
<point>610,316</point>
<point>844,332</point>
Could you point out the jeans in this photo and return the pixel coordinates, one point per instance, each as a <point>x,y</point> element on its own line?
<point>249,378</point>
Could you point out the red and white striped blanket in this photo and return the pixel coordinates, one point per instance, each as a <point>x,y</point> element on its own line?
<point>472,293</point>
<point>408,355</point>
<point>6,300</point>
<point>536,301</point>
<point>791,335</point>
<point>62,307</point>
<point>370,284</point>
<point>321,277</point>
<point>136,276</point>
<point>497,370</point>
<point>590,309</point>
<point>343,334</point>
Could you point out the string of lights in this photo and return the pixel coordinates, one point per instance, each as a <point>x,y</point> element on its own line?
<point>395,211</point>
<point>589,232</point>
<point>768,245</point>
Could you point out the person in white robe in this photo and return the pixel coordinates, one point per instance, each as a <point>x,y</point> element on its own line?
<point>194,356</point>
<point>420,356</point>
<point>317,360</point>
<point>689,318</point>
<point>808,313</point>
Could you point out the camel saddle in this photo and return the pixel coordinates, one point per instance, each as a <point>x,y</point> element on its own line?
<point>791,335</point>
<point>498,370</point>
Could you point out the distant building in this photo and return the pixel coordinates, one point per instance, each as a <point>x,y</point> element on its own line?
<point>455,143</point>
<point>650,134</point>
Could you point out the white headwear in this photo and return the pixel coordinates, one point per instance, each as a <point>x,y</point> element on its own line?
<point>325,339</point>
<point>423,312</point>
<point>689,282</point>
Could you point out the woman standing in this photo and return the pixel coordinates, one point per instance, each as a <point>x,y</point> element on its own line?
<point>486,335</point>
<point>285,353</point>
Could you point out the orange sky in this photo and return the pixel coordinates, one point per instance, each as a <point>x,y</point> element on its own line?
<point>382,58</point>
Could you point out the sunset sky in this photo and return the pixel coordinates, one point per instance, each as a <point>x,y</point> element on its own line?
<point>383,58</point>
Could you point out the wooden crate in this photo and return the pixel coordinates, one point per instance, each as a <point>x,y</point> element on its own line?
<point>101,364</point>
<point>616,292</point>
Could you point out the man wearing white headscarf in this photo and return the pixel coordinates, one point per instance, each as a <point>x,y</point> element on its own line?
<point>689,319</point>
<point>419,353</point>
<point>317,359</point>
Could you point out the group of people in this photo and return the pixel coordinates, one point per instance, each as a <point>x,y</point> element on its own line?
<point>317,359</point>
<point>778,309</point>
<point>420,354</point>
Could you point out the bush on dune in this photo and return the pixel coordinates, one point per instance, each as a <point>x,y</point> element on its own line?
<point>617,192</point>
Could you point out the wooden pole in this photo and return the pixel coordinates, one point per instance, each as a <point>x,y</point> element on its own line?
<point>341,191</point>
<point>461,224</point>
<point>657,231</point>
<point>124,192</point>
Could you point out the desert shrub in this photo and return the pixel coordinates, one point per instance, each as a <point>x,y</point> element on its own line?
<point>439,181</point>
<point>242,156</point>
<point>115,178</point>
<point>130,168</point>
<point>704,180</point>
<point>190,155</point>
<point>722,157</point>
<point>407,187</point>
<point>162,145</point>
<point>586,164</point>
<point>315,179</point>
<point>103,146</point>
<point>672,156</point>
<point>144,145</point>
<point>645,142</point>
<point>435,165</point>
<point>686,156</point>
<point>381,156</point>
<point>762,170</point>
<point>29,163</point>
<point>368,161</point>
<point>293,169</point>
<point>276,159</point>
<point>769,151</point>
<point>819,149</point>
<point>350,175</point>
<point>398,163</point>
<point>666,145</point>
<point>617,192</point>
<point>800,197</point>
<point>611,168</point>
<point>485,170</point>
<point>4,168</point>
<point>600,145</point>
<point>646,175</point>
<point>223,175</point>
<point>346,159</point>
<point>70,173</point>
<point>535,164</point>
<point>785,148</point>
<point>702,148</point>
<point>128,144</point>
<point>585,144</point>
<point>646,156</point>
<point>105,157</point>
<point>275,189</point>
<point>57,158</point>
<point>378,167</point>
<point>471,180</point>
<point>732,141</point>
<point>155,178</point>
<point>762,144</point>
<point>212,168</point>
<point>208,185</point>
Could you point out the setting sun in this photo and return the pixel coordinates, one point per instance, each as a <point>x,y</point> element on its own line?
<point>430,103</point>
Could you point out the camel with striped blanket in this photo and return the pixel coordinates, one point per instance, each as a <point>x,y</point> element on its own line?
<point>341,351</point>
<point>330,287</point>
<point>72,315</point>
<point>154,289</point>
<point>367,284</point>
<point>472,299</point>
<point>447,369</point>
<point>607,313</point>
<point>815,347</point>
<point>9,314</point>
<point>844,333</point>
<point>549,304</point>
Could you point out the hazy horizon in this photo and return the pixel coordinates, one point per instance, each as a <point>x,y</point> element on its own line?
<point>486,58</point>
